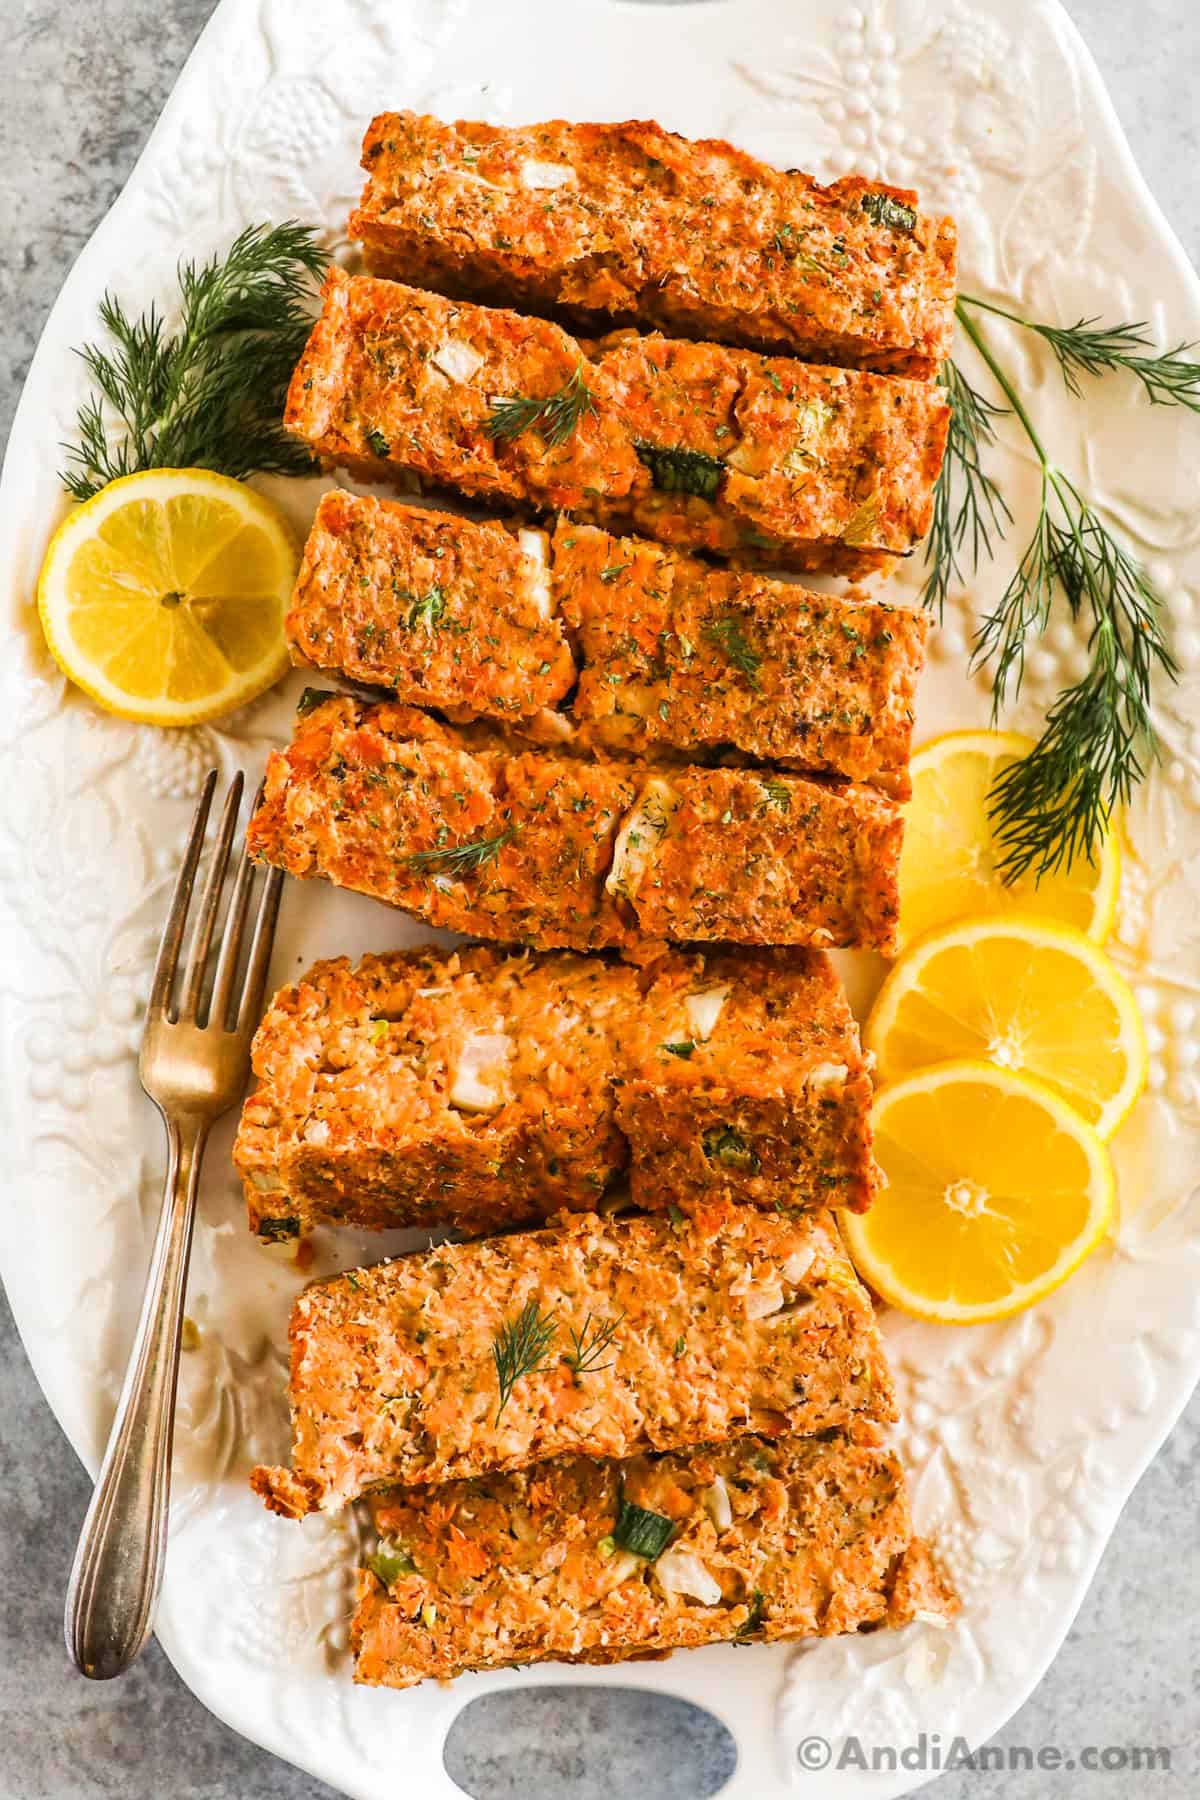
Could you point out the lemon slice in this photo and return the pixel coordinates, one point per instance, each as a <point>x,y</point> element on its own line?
<point>948,864</point>
<point>163,596</point>
<point>997,1190</point>
<point>1021,993</point>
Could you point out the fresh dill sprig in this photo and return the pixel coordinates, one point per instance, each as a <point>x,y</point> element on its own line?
<point>728,636</point>
<point>209,394</point>
<point>521,1346</point>
<point>426,609</point>
<point>1054,804</point>
<point>589,1344</point>
<point>1170,377</point>
<point>555,418</point>
<point>968,507</point>
<point>460,859</point>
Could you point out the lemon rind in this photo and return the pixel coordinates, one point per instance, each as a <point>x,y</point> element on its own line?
<point>991,742</point>
<point>1051,932</point>
<point>856,1226</point>
<point>253,507</point>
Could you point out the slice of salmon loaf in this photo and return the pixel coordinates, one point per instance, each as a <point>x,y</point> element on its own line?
<point>743,1078</point>
<point>448,612</point>
<point>631,224</point>
<point>761,459</point>
<point>671,656</point>
<point>604,1337</point>
<point>470,1087</point>
<point>483,1089</point>
<point>597,1561</point>
<point>475,834</point>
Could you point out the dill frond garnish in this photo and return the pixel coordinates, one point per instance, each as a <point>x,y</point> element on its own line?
<point>728,636</point>
<point>520,1347</point>
<point>311,698</point>
<point>1054,804</point>
<point>1170,377</point>
<point>460,859</point>
<point>209,394</point>
<point>967,505</point>
<point>426,609</point>
<point>555,418</point>
<point>589,1344</point>
<point>882,209</point>
<point>752,1622</point>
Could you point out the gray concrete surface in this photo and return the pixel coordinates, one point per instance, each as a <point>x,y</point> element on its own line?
<point>80,87</point>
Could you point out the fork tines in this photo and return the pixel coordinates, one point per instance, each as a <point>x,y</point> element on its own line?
<point>228,1007</point>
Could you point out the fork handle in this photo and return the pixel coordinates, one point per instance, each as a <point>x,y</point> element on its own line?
<point>118,1564</point>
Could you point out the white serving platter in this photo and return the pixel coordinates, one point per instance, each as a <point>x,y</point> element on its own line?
<point>1023,1439</point>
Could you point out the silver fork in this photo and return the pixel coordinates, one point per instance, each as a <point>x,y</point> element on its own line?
<point>194,1061</point>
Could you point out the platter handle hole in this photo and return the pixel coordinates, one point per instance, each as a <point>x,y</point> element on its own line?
<point>587,1743</point>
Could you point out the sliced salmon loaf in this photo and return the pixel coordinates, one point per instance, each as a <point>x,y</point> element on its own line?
<point>631,224</point>
<point>482,1090</point>
<point>672,657</point>
<point>605,1337</point>
<point>492,842</point>
<point>765,460</point>
<point>556,851</point>
<point>743,1076</point>
<point>677,656</point>
<point>469,1087</point>
<point>394,381</point>
<point>447,612</point>
<point>584,1561</point>
<point>744,857</point>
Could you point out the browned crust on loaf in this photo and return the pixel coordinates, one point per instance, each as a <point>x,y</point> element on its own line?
<point>756,1325</point>
<point>649,228</point>
<point>522,1568</point>
<point>486,1090</point>
<point>379,798</point>
<point>812,467</point>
